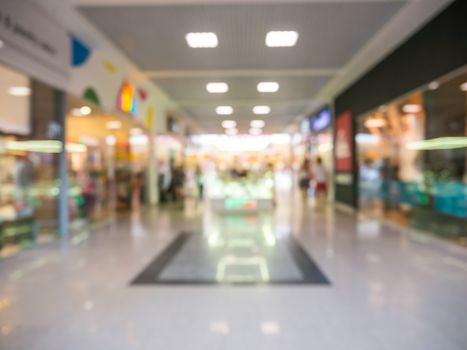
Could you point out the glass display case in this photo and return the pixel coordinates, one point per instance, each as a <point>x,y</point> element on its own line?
<point>241,192</point>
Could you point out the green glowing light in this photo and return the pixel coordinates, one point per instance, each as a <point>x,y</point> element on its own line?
<point>440,143</point>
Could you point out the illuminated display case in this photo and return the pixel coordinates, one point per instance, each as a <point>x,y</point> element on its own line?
<point>248,193</point>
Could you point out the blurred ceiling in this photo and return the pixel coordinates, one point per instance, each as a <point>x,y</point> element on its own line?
<point>338,41</point>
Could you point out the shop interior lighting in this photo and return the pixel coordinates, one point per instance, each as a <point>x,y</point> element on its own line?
<point>440,143</point>
<point>261,110</point>
<point>202,40</point>
<point>111,140</point>
<point>42,146</point>
<point>258,124</point>
<point>433,85</point>
<point>463,86</point>
<point>136,131</point>
<point>256,131</point>
<point>362,138</point>
<point>85,110</point>
<point>375,123</point>
<point>217,88</point>
<point>281,38</point>
<point>19,91</point>
<point>229,124</point>
<point>268,86</point>
<point>76,112</point>
<point>411,108</point>
<point>114,125</point>
<point>231,131</point>
<point>224,110</point>
<point>136,140</point>
<point>82,111</point>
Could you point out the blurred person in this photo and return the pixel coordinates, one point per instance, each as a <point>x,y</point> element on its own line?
<point>165,180</point>
<point>137,190</point>
<point>200,182</point>
<point>177,184</point>
<point>89,193</point>
<point>304,180</point>
<point>320,177</point>
<point>24,179</point>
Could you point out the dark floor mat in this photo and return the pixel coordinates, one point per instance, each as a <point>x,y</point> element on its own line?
<point>191,259</point>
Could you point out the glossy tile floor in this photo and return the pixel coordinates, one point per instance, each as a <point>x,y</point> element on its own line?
<point>388,289</point>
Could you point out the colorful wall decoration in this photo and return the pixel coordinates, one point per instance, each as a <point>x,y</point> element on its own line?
<point>150,117</point>
<point>91,95</point>
<point>127,101</point>
<point>79,51</point>
<point>109,66</point>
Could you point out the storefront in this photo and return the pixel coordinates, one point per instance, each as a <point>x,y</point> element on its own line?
<point>412,158</point>
<point>320,142</point>
<point>400,132</point>
<point>107,171</point>
<point>30,126</point>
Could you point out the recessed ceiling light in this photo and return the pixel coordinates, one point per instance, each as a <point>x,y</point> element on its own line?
<point>268,86</point>
<point>19,91</point>
<point>114,124</point>
<point>261,109</point>
<point>463,87</point>
<point>85,110</point>
<point>257,124</point>
<point>281,38</point>
<point>229,124</point>
<point>433,85</point>
<point>217,88</point>
<point>224,110</point>
<point>231,131</point>
<point>411,108</point>
<point>202,40</point>
<point>256,131</point>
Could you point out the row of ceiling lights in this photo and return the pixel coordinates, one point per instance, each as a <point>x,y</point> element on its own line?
<point>222,88</point>
<point>256,127</point>
<point>206,40</point>
<point>273,39</point>
<point>228,110</point>
<point>230,125</point>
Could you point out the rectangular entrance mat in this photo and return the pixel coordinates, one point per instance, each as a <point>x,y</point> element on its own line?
<point>191,259</point>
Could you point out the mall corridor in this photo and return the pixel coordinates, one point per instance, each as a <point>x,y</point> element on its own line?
<point>233,174</point>
<point>368,285</point>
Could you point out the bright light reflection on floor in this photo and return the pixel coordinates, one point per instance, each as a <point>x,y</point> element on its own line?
<point>270,328</point>
<point>88,305</point>
<point>219,327</point>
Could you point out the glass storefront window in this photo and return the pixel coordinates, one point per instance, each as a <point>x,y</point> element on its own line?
<point>29,149</point>
<point>412,156</point>
<point>109,173</point>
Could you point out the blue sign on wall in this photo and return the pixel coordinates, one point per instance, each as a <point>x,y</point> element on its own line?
<point>320,120</point>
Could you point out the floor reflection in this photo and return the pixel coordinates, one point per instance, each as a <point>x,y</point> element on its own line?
<point>233,249</point>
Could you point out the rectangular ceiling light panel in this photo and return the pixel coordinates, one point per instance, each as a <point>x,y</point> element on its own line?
<point>261,109</point>
<point>217,88</point>
<point>281,38</point>
<point>268,86</point>
<point>224,110</point>
<point>202,40</point>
